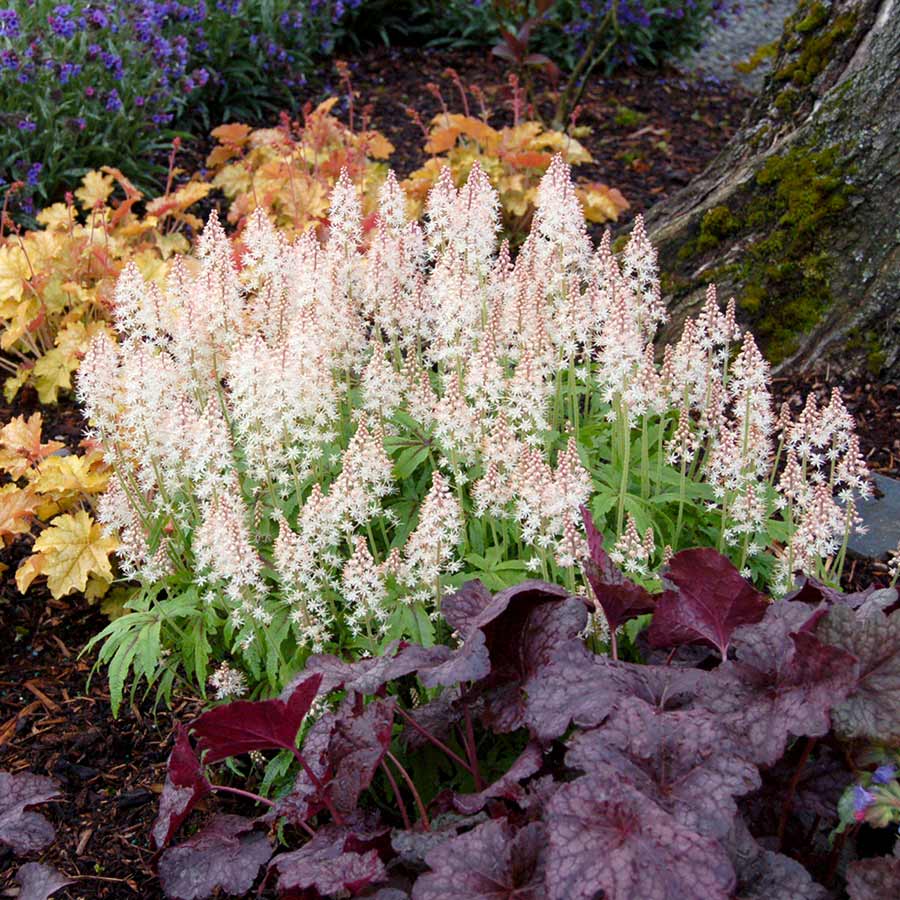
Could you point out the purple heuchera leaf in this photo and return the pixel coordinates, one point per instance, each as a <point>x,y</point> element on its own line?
<point>874,879</point>
<point>610,837</point>
<point>21,829</point>
<point>325,866</point>
<point>227,854</point>
<point>465,605</point>
<point>368,676</point>
<point>765,875</point>
<point>519,657</point>
<point>619,597</point>
<point>681,760</point>
<point>38,882</point>
<point>413,846</point>
<point>470,662</point>
<point>437,717</point>
<point>358,744</point>
<point>185,786</point>
<point>710,601</point>
<point>247,725</point>
<point>817,789</point>
<point>783,682</point>
<point>492,862</point>
<point>508,786</point>
<point>872,711</point>
<point>812,591</point>
<point>304,801</point>
<point>575,685</point>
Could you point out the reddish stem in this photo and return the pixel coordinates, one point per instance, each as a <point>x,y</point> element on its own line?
<point>396,789</point>
<point>320,789</point>
<point>409,783</point>
<point>792,790</point>
<point>247,795</point>
<point>434,740</point>
<point>471,751</point>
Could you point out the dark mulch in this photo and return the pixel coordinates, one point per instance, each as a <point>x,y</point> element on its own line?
<point>52,723</point>
<point>652,132</point>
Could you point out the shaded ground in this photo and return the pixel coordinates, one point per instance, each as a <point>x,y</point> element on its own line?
<point>652,132</point>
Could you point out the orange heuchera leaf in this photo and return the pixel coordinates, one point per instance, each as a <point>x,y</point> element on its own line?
<point>441,140</point>
<point>95,188</point>
<point>601,203</point>
<point>17,510</point>
<point>528,159</point>
<point>234,133</point>
<point>180,200</point>
<point>21,447</point>
<point>376,145</point>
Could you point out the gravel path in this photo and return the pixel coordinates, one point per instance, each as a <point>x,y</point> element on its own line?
<point>760,23</point>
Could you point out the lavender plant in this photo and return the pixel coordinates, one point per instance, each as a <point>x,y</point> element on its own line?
<point>104,83</point>
<point>314,442</point>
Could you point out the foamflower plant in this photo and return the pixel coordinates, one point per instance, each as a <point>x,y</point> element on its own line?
<point>312,442</point>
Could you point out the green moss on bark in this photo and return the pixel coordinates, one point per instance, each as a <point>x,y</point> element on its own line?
<point>788,216</point>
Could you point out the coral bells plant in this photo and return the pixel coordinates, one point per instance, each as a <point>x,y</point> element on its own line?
<point>542,770</point>
<point>312,442</point>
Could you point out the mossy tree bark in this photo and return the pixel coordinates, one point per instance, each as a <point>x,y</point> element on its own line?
<point>799,216</point>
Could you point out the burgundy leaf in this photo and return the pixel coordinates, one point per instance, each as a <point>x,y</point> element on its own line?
<point>228,854</point>
<point>765,875</point>
<point>573,685</point>
<point>783,682</point>
<point>185,786</point>
<point>413,846</point>
<point>304,800</point>
<point>38,881</point>
<point>817,789</point>
<point>368,676</point>
<point>325,867</point>
<point>490,862</point>
<point>810,590</point>
<point>619,597</point>
<point>711,600</point>
<point>21,829</point>
<point>470,662</point>
<point>508,786</point>
<point>517,656</point>
<point>681,760</point>
<point>357,747</point>
<point>874,879</point>
<point>463,606</point>
<point>247,725</point>
<point>610,837</point>
<point>872,711</point>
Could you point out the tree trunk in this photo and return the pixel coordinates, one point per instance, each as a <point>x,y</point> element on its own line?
<point>799,216</point>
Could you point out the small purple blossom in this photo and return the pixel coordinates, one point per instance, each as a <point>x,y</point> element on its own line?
<point>884,774</point>
<point>862,799</point>
<point>9,23</point>
<point>34,173</point>
<point>113,101</point>
<point>27,125</point>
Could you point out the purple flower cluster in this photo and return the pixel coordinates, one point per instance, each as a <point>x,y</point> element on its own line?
<point>124,71</point>
<point>10,26</point>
